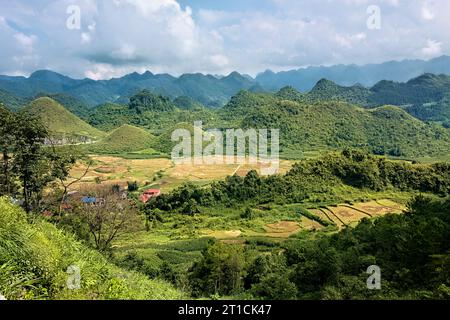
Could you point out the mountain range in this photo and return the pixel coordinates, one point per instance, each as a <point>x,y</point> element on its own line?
<point>347,75</point>
<point>304,126</point>
<point>426,97</point>
<point>206,89</point>
<point>209,90</point>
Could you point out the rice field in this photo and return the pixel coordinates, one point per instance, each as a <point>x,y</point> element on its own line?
<point>160,172</point>
<point>341,215</point>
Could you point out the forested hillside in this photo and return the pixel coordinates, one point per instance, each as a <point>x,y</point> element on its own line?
<point>315,265</point>
<point>425,97</point>
<point>313,181</point>
<point>411,250</point>
<point>336,125</point>
<point>147,110</point>
<point>306,122</point>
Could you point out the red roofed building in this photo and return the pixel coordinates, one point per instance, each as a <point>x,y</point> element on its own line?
<point>149,194</point>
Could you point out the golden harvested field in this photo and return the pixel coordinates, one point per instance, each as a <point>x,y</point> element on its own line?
<point>351,214</point>
<point>380,207</point>
<point>161,173</point>
<point>348,215</point>
<point>311,225</point>
<point>222,235</point>
<point>282,229</point>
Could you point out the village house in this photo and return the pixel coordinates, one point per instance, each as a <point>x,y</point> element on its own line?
<point>93,201</point>
<point>149,194</point>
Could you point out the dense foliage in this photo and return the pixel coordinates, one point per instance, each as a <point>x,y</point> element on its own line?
<point>312,181</point>
<point>28,165</point>
<point>10,101</point>
<point>432,111</point>
<point>146,101</point>
<point>306,122</point>
<point>425,97</point>
<point>327,90</point>
<point>149,111</point>
<point>412,251</point>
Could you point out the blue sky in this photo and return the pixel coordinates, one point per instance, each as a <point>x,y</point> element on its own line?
<point>211,36</point>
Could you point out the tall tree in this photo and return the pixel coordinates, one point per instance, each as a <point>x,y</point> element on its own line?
<point>107,216</point>
<point>7,129</point>
<point>35,163</point>
<point>30,161</point>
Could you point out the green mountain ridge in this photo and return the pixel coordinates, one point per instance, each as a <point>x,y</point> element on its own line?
<point>126,138</point>
<point>59,121</point>
<point>304,124</point>
<point>336,125</point>
<point>153,112</point>
<point>304,79</point>
<point>425,97</point>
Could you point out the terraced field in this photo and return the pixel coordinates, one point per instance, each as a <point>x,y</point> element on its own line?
<point>349,215</point>
<point>180,239</point>
<point>340,216</point>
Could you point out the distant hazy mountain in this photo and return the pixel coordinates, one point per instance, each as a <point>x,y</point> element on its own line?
<point>348,75</point>
<point>206,89</point>
<point>209,90</point>
<point>12,102</point>
<point>426,97</point>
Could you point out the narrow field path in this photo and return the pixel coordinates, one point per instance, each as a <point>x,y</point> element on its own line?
<point>237,169</point>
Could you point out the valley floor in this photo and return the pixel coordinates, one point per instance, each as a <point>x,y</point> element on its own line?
<point>159,173</point>
<point>179,239</point>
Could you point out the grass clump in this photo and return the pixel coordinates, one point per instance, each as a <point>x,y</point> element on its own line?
<point>34,259</point>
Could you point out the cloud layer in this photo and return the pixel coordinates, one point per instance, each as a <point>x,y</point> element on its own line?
<point>120,36</point>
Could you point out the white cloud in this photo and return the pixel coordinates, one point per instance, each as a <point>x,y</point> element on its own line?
<point>122,36</point>
<point>24,40</point>
<point>427,14</point>
<point>155,34</point>
<point>432,49</point>
<point>100,71</point>
<point>85,37</point>
<point>18,54</point>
